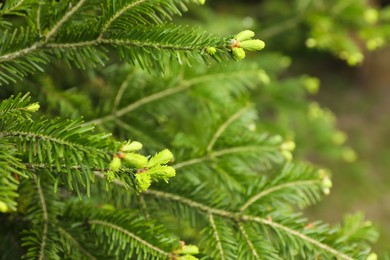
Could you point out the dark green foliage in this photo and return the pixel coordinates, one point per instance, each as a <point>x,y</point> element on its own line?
<point>236,189</point>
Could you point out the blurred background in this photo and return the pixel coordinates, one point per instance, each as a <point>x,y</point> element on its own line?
<point>327,87</point>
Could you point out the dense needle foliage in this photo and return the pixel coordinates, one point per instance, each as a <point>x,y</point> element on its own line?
<point>200,150</point>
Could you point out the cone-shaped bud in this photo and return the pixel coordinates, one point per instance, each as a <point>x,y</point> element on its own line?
<point>288,146</point>
<point>371,15</point>
<point>201,2</point>
<point>3,207</point>
<point>326,182</point>
<point>244,35</point>
<point>115,164</point>
<point>188,249</point>
<point>312,84</point>
<point>238,53</point>
<point>372,256</point>
<point>287,155</point>
<point>162,157</point>
<point>143,181</point>
<point>326,191</point>
<point>162,172</point>
<point>252,45</point>
<point>131,147</point>
<point>211,50</point>
<point>137,160</point>
<point>33,107</point>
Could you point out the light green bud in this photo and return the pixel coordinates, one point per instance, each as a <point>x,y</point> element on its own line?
<point>238,53</point>
<point>143,181</point>
<point>33,107</point>
<point>115,164</point>
<point>244,35</point>
<point>201,2</point>
<point>326,182</point>
<point>211,50</point>
<point>252,45</point>
<point>355,58</point>
<point>109,207</point>
<point>372,256</point>
<point>3,207</point>
<point>287,155</point>
<point>288,146</point>
<point>314,111</point>
<point>326,191</point>
<point>339,138</point>
<point>137,160</point>
<point>375,43</point>
<point>312,85</point>
<point>162,157</point>
<point>349,155</point>
<point>311,43</point>
<point>188,249</point>
<point>367,223</point>
<point>131,147</point>
<point>162,172</point>
<point>371,15</point>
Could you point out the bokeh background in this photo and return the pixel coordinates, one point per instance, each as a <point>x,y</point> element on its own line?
<point>330,92</point>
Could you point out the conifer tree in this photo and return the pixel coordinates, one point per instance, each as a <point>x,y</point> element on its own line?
<point>189,170</point>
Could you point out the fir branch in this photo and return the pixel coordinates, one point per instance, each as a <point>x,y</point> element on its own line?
<point>45,218</point>
<point>8,11</point>
<point>43,137</point>
<point>117,15</point>
<point>184,85</point>
<point>140,102</point>
<point>75,243</point>
<point>40,44</point>
<point>64,19</point>
<point>238,217</point>
<point>219,153</point>
<point>248,241</point>
<point>224,126</point>
<point>121,91</point>
<point>296,233</point>
<point>38,19</point>
<point>216,235</point>
<point>276,188</point>
<point>129,234</point>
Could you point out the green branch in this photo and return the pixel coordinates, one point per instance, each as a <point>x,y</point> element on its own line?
<point>248,241</point>
<point>211,156</point>
<point>45,219</point>
<point>41,44</point>
<point>117,15</point>
<point>65,18</point>
<point>10,10</point>
<point>75,146</point>
<point>76,243</point>
<point>276,188</point>
<point>236,216</point>
<point>186,84</point>
<point>129,234</point>
<point>216,235</point>
<point>293,232</point>
<point>224,126</point>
